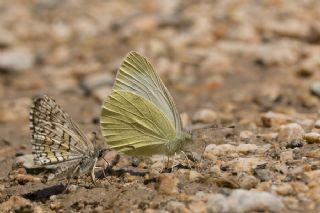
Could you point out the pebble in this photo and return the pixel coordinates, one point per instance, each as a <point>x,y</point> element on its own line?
<point>55,205</point>
<point>247,181</point>
<point>72,188</point>
<point>205,116</point>
<point>16,59</point>
<point>246,148</point>
<point>295,143</point>
<point>312,137</point>
<point>219,61</point>
<point>290,132</point>
<point>244,164</point>
<point>197,207</point>
<point>313,175</point>
<point>176,207</point>
<point>168,184</point>
<point>287,53</point>
<point>263,174</point>
<point>286,156</point>
<point>244,201</point>
<point>271,119</point>
<point>215,170</point>
<point>315,88</point>
<point>299,187</point>
<point>308,67</point>
<point>244,135</point>
<point>185,119</point>
<point>26,161</point>
<point>317,124</point>
<point>25,178</point>
<point>194,175</point>
<point>13,202</point>
<point>285,189</point>
<point>101,93</point>
<point>14,110</point>
<point>194,156</point>
<point>292,28</point>
<point>218,150</point>
<point>97,80</point>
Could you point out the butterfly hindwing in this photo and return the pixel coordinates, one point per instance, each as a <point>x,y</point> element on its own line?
<point>137,75</point>
<point>134,125</point>
<point>55,137</point>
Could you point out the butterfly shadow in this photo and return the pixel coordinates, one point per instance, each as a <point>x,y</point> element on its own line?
<point>120,172</point>
<point>45,193</point>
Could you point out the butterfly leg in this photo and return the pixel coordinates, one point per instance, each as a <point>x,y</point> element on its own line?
<point>93,176</point>
<point>174,158</point>
<point>73,173</point>
<point>185,155</point>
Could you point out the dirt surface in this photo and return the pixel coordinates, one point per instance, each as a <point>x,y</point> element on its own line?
<point>250,65</point>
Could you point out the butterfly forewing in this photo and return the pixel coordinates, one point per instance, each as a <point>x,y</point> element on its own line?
<point>55,137</point>
<point>137,75</point>
<point>134,125</point>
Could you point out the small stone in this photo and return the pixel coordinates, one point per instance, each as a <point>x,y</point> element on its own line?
<point>299,187</point>
<point>185,119</point>
<point>315,88</point>
<point>194,156</point>
<point>26,161</point>
<point>38,209</point>
<point>287,53</point>
<point>97,80</point>
<point>286,156</point>
<point>72,188</point>
<point>289,132</point>
<point>312,137</point>
<point>53,197</point>
<point>197,207</point>
<point>246,148</point>
<point>16,59</point>
<point>13,202</point>
<point>308,66</point>
<point>271,119</point>
<point>14,110</point>
<point>25,178</point>
<point>244,135</point>
<point>168,183</point>
<point>215,171</point>
<point>205,116</point>
<point>317,124</point>
<point>245,164</point>
<point>215,63</point>
<point>176,207</point>
<point>285,189</point>
<point>292,28</point>
<point>313,176</point>
<point>55,205</point>
<point>281,167</point>
<point>101,93</point>
<point>218,150</point>
<point>247,181</point>
<point>244,201</point>
<point>194,175</point>
<point>263,174</point>
<point>295,143</point>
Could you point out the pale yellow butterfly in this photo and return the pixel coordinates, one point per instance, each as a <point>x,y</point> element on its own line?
<point>140,117</point>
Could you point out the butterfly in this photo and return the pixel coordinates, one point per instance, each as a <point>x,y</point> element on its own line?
<point>139,117</point>
<point>59,144</point>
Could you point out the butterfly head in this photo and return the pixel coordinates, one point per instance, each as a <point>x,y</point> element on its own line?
<point>100,152</point>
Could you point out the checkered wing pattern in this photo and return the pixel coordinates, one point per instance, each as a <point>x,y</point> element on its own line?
<point>56,139</point>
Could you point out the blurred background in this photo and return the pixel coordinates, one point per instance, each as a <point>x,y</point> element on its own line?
<point>225,60</point>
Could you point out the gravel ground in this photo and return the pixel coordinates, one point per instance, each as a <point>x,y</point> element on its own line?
<point>250,67</point>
